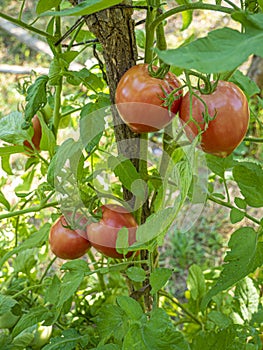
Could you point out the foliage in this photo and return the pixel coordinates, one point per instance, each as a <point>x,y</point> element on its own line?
<point>101,303</point>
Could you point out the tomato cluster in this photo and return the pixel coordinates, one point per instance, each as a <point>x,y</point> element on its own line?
<point>68,243</point>
<point>221,118</point>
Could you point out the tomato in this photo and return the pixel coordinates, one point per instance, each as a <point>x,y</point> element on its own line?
<point>67,243</point>
<point>140,99</point>
<point>36,136</point>
<point>229,107</point>
<point>103,234</point>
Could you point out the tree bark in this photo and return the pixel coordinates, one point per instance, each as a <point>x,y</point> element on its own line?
<point>114,29</point>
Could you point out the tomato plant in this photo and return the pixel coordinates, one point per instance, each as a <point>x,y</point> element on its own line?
<point>103,234</point>
<point>67,243</point>
<point>36,138</point>
<point>228,111</point>
<point>140,99</point>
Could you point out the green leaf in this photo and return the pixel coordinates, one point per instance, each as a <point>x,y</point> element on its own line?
<point>247,85</point>
<point>36,97</point>
<point>89,79</point>
<point>140,38</point>
<point>240,203</point>
<point>25,261</point>
<point>196,282</point>
<point>70,284</point>
<point>45,5</point>
<point>158,278</point>
<point>131,307</point>
<point>136,274</point>
<point>8,150</point>
<point>245,255</point>
<point>5,162</point>
<point>221,340</point>
<point>249,177</point>
<point>4,201</point>
<point>128,175</point>
<point>6,303</point>
<point>236,215</point>
<point>92,124</point>
<point>156,334</point>
<point>34,316</point>
<point>22,340</point>
<point>84,8</point>
<point>219,165</point>
<point>11,129</point>
<point>187,16</point>
<point>219,319</point>
<point>203,54</point>
<point>248,298</point>
<point>70,339</point>
<point>110,321</point>
<point>37,239</point>
<point>48,141</point>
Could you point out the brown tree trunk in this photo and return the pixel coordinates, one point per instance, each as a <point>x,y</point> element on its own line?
<point>114,29</point>
<point>255,71</point>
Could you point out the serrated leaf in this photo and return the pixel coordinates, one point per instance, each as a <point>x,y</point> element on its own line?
<point>69,340</point>
<point>36,96</point>
<point>37,239</point>
<point>136,274</point>
<point>248,298</point>
<point>196,282</point>
<point>84,8</point>
<point>34,316</point>
<point>70,284</point>
<point>247,85</point>
<point>11,129</point>
<point>45,5</point>
<point>110,321</point>
<point>89,79</point>
<point>221,340</point>
<point>249,177</point>
<point>245,255</point>
<point>6,303</point>
<point>128,175</point>
<point>21,341</point>
<point>219,319</point>
<point>158,278</point>
<point>236,215</point>
<point>130,307</point>
<point>157,334</point>
<point>202,54</point>
<point>219,165</point>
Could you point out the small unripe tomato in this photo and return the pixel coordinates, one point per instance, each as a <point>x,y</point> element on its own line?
<point>36,138</point>
<point>228,108</point>
<point>140,99</point>
<point>67,243</point>
<point>104,233</point>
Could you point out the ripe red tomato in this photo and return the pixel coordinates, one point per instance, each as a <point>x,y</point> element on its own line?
<point>225,132</point>
<point>140,99</point>
<point>67,243</point>
<point>103,234</point>
<point>36,136</point>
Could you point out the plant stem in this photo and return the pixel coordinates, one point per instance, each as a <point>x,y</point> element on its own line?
<point>230,206</point>
<point>35,209</point>
<point>190,6</point>
<point>47,268</point>
<point>25,25</point>
<point>57,104</point>
<point>254,139</point>
<point>100,276</point>
<point>181,306</point>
